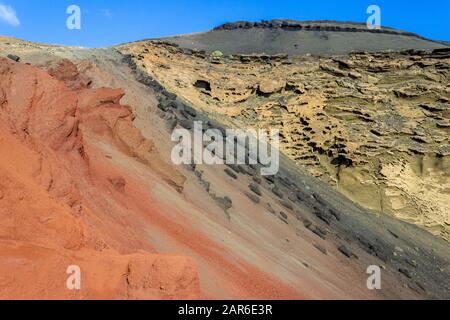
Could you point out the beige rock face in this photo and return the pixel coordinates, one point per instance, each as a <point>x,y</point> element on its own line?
<point>374,126</point>
<point>272,86</point>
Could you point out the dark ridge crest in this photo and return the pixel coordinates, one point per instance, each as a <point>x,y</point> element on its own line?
<point>317,25</point>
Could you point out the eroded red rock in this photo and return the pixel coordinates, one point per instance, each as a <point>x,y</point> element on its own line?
<point>48,221</point>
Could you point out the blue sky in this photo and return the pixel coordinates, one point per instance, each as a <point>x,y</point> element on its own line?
<point>112,22</point>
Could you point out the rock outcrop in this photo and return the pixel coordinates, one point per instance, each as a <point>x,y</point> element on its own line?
<point>47,216</point>
<point>374,126</point>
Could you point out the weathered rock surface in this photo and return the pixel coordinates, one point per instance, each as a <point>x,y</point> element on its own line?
<point>373,125</point>
<point>46,128</point>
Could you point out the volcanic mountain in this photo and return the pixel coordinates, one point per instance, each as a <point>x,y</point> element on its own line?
<point>302,37</point>
<point>88,180</point>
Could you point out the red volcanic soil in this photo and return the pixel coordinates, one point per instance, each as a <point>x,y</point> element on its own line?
<point>72,193</point>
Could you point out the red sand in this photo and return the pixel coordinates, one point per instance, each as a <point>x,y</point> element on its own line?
<point>65,201</point>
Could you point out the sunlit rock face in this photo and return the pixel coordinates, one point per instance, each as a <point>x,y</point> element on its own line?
<point>372,125</point>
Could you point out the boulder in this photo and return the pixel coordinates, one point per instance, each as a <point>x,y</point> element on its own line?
<point>13,57</point>
<point>271,86</point>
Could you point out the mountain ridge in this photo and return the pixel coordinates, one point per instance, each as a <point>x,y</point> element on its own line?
<point>321,37</point>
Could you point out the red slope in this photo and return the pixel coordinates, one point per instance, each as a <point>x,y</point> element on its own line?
<point>71,192</point>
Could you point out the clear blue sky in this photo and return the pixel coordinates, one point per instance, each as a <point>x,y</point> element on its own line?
<point>116,21</point>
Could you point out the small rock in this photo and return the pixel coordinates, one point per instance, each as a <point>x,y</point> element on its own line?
<point>270,179</point>
<point>255,188</point>
<point>270,209</point>
<point>292,198</point>
<point>190,111</point>
<point>320,232</point>
<point>271,86</point>
<point>411,262</point>
<point>235,168</point>
<point>324,216</point>
<point>257,180</point>
<point>276,191</point>
<point>206,185</point>
<point>345,251</point>
<point>230,173</point>
<point>252,197</point>
<point>118,183</point>
<point>418,287</point>
<point>199,174</point>
<point>251,172</point>
<point>186,124</point>
<point>225,203</point>
<point>307,223</point>
<point>243,170</point>
<point>354,75</point>
<point>398,249</point>
<point>171,124</point>
<point>13,57</point>
<point>405,272</point>
<point>393,234</point>
<point>321,249</point>
<point>284,215</point>
<point>336,214</point>
<point>286,204</point>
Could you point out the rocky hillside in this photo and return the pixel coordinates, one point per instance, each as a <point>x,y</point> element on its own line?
<point>87,180</point>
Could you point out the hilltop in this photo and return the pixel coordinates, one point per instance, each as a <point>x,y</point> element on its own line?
<point>301,38</point>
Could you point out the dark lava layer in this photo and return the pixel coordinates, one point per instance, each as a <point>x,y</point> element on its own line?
<point>300,38</point>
